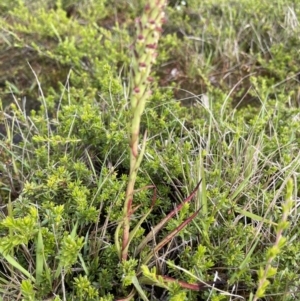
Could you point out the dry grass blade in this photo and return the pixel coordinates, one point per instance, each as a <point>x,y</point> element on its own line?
<point>159,226</point>
<point>170,236</point>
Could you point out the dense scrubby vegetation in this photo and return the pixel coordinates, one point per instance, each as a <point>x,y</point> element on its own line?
<point>220,164</point>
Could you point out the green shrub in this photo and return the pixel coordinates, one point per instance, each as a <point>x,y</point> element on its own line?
<point>62,187</point>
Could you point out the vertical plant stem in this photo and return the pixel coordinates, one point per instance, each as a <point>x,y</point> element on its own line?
<point>269,271</point>
<point>148,29</point>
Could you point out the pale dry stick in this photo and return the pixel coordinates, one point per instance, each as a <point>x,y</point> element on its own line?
<point>148,29</point>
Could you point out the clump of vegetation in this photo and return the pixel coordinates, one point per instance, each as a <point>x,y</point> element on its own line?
<point>203,206</point>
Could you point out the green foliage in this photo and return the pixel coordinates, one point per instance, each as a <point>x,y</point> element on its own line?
<point>27,290</point>
<point>21,230</point>
<point>62,187</point>
<point>63,43</point>
<point>84,289</point>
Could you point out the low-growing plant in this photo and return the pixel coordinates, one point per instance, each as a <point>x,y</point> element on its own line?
<point>204,213</point>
